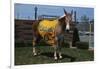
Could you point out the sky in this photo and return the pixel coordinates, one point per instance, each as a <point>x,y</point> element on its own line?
<point>26,11</point>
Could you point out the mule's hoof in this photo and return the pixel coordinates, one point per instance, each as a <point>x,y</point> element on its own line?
<point>35,54</point>
<point>38,53</point>
<point>55,58</point>
<point>60,57</point>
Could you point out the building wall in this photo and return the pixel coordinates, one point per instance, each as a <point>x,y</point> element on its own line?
<point>85,26</point>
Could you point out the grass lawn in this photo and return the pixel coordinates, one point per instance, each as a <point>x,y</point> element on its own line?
<point>24,56</point>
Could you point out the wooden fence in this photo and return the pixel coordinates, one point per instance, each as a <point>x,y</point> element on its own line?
<point>24,34</point>
<point>23,31</point>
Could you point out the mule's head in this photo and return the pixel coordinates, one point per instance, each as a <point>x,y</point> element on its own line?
<point>66,20</point>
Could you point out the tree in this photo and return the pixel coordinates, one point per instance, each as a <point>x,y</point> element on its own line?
<point>85,23</point>
<point>84,19</point>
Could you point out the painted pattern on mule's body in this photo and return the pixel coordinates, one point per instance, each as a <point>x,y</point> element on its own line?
<point>47,28</point>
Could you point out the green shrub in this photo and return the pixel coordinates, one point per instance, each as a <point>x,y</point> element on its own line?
<point>82,45</point>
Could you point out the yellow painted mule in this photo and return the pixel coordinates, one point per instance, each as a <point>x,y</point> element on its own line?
<point>52,32</point>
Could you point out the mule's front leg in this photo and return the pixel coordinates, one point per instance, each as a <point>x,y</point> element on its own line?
<point>60,42</point>
<point>60,56</point>
<point>59,50</point>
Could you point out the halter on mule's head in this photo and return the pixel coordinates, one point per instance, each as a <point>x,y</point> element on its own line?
<point>66,20</point>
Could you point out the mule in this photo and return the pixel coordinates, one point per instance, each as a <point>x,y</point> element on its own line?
<point>51,31</point>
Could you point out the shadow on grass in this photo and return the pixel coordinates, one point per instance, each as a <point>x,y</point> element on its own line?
<point>49,54</point>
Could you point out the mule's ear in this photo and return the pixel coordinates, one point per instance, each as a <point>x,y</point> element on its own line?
<point>65,12</point>
<point>71,12</point>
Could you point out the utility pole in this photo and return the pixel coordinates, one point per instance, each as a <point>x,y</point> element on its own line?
<point>35,13</point>
<point>75,16</point>
<point>90,35</point>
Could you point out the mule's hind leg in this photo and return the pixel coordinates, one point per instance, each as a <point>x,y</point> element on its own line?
<point>34,48</point>
<point>55,52</point>
<point>55,48</point>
